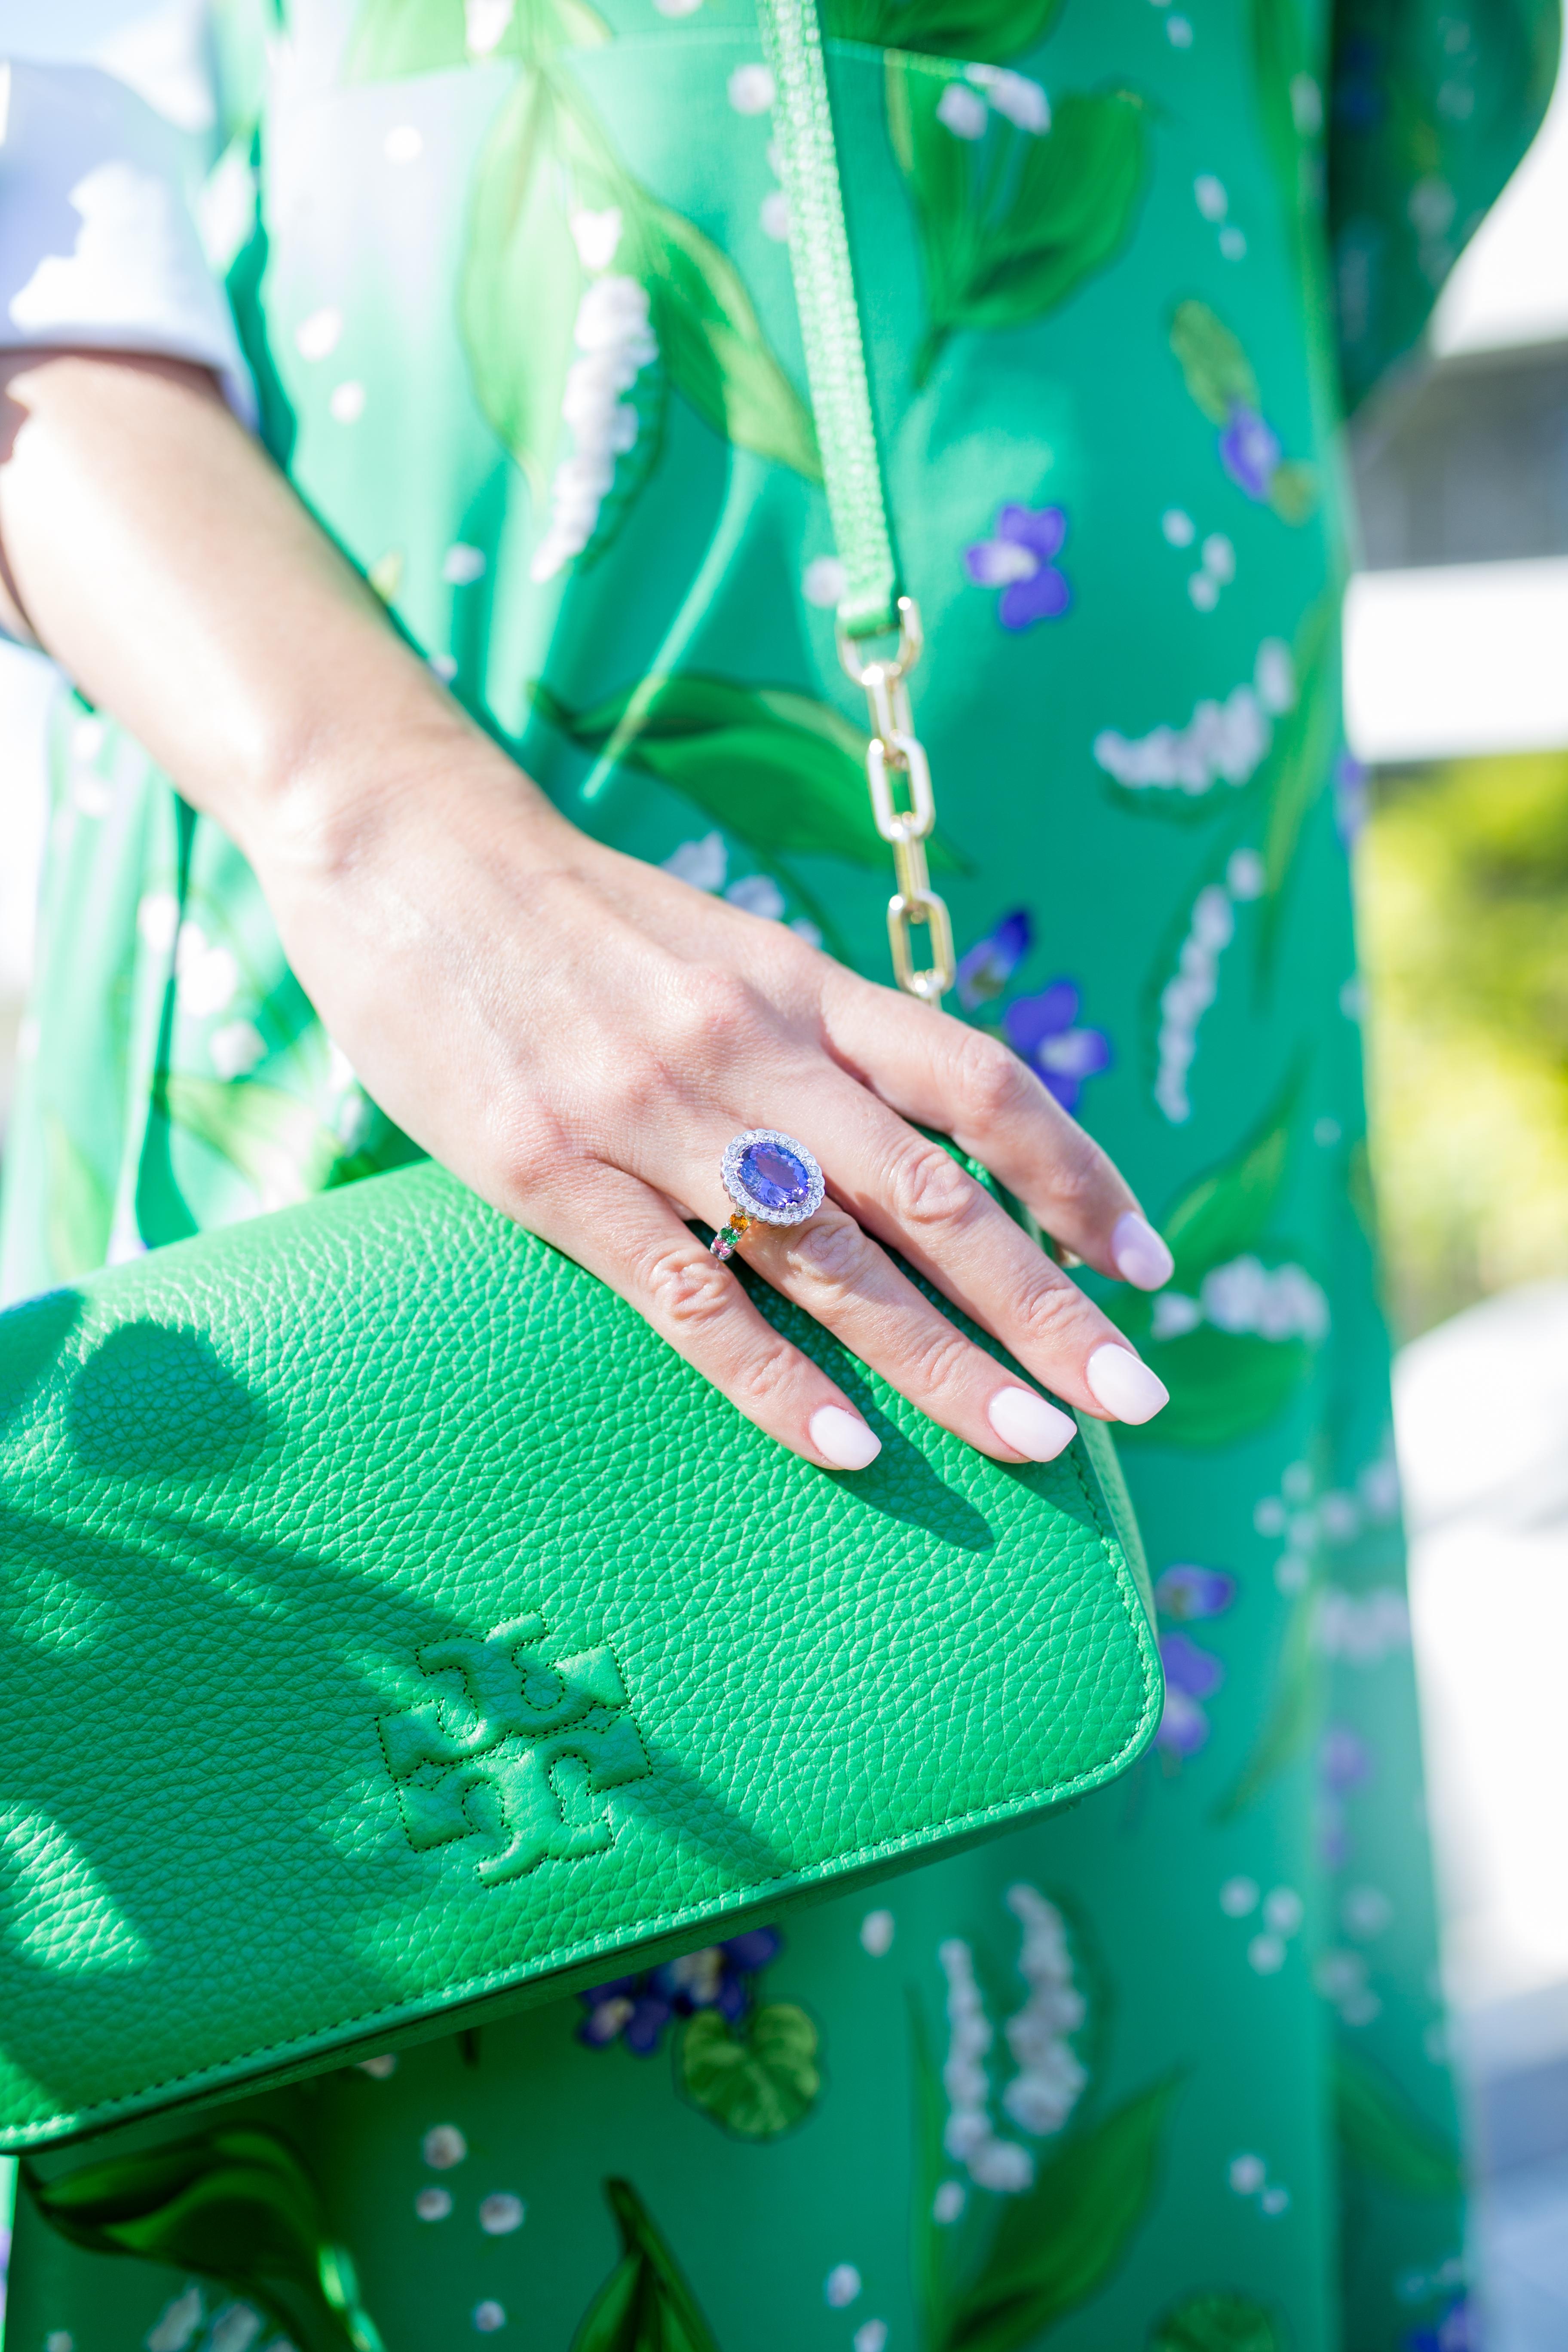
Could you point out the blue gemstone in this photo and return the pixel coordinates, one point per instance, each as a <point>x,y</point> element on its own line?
<point>775,1176</point>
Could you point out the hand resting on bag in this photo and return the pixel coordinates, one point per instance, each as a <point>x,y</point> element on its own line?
<point>577,1034</point>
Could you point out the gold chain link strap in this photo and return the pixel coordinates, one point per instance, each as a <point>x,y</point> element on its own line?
<point>897,767</point>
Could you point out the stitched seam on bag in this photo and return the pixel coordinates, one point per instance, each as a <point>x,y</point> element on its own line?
<point>474,1988</point>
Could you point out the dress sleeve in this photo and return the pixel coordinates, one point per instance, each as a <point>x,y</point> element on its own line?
<point>1433,104</point>
<point>99,243</point>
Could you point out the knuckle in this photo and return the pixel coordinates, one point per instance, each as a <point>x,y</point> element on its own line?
<point>689,1294</point>
<point>1079,1178</point>
<point>716,1009</point>
<point>830,1255</point>
<point>754,1381</point>
<point>929,1192</point>
<point>1051,1312</point>
<point>992,1083</point>
<point>940,1359</point>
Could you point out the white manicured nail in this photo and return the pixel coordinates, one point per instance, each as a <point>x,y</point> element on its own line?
<point>1141,1257</point>
<point>843,1438</point>
<point>1123,1383</point>
<point>1031,1426</point>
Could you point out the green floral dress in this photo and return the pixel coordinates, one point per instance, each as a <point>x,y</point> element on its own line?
<point>1166,2074</point>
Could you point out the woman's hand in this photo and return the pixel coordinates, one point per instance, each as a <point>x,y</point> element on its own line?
<point>577,1034</point>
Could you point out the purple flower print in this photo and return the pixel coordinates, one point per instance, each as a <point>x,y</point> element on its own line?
<point>636,2010</point>
<point>1017,559</point>
<point>1249,451</point>
<point>991,962</point>
<point>1454,2332</point>
<point>1186,1592</point>
<point>1043,1031</point>
<point>1191,1676</point>
<point>1350,798</point>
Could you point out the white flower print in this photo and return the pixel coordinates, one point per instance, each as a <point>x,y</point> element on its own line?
<point>235,1048</point>
<point>316,338</point>
<point>485,24</point>
<point>205,976</point>
<point>823,583</point>
<point>1363,1628</point>
<point>1022,101</point>
<point>234,2329</point>
<point>177,2322</point>
<point>462,565</point>
<point>703,863</point>
<point>597,235</point>
<point>751,90</point>
<point>1187,995</point>
<point>346,404</point>
<point>501,2214</point>
<point>432,2204</point>
<point>774,216</point>
<point>1050,2079</point>
<point>1223,742</point>
<point>961,110</point>
<point>442,2146</point>
<point>616,342</point>
<point>1280,1302</point>
<point>841,2285</point>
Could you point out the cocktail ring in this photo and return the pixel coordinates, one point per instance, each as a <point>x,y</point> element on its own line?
<point>773,1181</point>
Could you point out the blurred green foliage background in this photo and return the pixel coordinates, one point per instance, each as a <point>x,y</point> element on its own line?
<point>1462,888</point>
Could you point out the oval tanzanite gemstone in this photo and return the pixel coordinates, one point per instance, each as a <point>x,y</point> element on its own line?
<point>775,1176</point>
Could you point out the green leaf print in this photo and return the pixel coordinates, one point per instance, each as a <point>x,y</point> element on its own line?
<point>394,38</point>
<point>233,2204</point>
<point>1299,758</point>
<point>1228,1210</point>
<point>80,1211</point>
<point>645,2305</point>
<point>1227,1379</point>
<point>1217,2322</point>
<point>562,239</point>
<point>1217,371</point>
<point>1058,2243</point>
<point>275,1141</point>
<point>1221,380</point>
<point>1279,64</point>
<point>780,772</point>
<point>1382,2135</point>
<point>758,2080</point>
<point>1012,223</point>
<point>1292,1711</point>
<point>522,278</point>
<point>986,30</point>
<point>714,347</point>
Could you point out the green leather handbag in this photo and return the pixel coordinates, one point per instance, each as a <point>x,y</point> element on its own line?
<point>396,1630</point>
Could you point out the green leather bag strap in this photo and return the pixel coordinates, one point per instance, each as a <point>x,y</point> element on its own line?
<point>829,318</point>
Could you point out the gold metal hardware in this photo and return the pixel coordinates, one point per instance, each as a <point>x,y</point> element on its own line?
<point>896,764</point>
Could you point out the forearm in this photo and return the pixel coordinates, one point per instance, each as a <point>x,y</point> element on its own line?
<point>154,550</point>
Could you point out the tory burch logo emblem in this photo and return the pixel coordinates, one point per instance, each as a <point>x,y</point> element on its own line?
<point>542,1737</point>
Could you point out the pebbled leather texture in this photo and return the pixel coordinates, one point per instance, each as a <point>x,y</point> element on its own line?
<point>392,1622</point>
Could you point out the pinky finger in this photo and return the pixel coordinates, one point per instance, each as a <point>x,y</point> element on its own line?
<point>635,1242</point>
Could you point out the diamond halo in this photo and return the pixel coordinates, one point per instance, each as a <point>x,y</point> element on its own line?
<point>747,1200</point>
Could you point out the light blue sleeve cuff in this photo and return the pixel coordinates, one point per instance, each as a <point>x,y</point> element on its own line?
<point>99,244</point>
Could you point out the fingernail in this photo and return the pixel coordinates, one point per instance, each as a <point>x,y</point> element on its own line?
<point>1123,1383</point>
<point>843,1438</point>
<point>1031,1426</point>
<point>1139,1254</point>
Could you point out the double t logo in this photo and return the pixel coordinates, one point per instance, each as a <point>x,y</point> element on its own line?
<point>540,1736</point>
